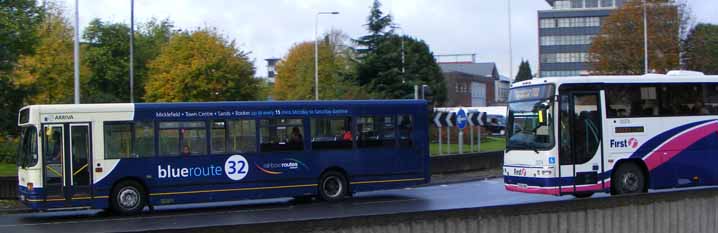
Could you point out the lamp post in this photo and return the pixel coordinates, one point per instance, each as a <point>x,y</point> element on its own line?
<point>132,51</point>
<point>645,39</point>
<point>316,51</point>
<point>76,52</point>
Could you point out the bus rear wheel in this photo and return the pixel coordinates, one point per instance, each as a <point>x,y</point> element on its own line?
<point>333,186</point>
<point>128,198</point>
<point>628,178</point>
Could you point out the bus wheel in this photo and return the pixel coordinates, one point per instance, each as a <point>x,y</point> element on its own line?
<point>628,179</point>
<point>128,197</point>
<point>332,186</point>
<point>583,195</point>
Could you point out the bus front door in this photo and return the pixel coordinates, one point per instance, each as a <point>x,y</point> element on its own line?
<point>580,153</point>
<point>67,162</point>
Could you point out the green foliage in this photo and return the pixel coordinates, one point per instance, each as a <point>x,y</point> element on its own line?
<point>524,72</point>
<point>46,76</point>
<point>8,151</point>
<point>200,66</point>
<point>107,56</point>
<point>18,36</point>
<point>380,62</point>
<point>108,53</point>
<point>295,73</point>
<point>18,19</point>
<point>700,49</point>
<point>378,25</point>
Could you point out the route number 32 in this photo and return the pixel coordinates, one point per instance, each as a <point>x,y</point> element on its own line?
<point>236,167</point>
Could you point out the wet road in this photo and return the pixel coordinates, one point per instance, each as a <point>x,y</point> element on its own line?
<point>437,197</point>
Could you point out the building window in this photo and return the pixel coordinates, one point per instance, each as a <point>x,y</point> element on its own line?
<point>564,57</point>
<point>606,3</point>
<point>566,40</point>
<point>576,3</point>
<point>562,73</point>
<point>579,22</point>
<point>591,3</point>
<point>547,23</point>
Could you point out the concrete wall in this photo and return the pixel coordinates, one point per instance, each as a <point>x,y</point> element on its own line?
<point>670,212</point>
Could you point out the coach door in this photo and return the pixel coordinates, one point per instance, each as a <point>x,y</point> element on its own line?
<point>580,140</point>
<point>67,161</point>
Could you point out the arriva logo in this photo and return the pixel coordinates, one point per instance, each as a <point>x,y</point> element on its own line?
<point>625,143</point>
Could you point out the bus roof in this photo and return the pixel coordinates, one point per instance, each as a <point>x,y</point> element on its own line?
<point>672,77</point>
<point>126,107</point>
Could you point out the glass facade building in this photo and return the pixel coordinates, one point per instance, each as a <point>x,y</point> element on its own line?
<point>565,34</point>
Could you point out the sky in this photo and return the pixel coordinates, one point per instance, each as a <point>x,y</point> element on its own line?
<point>268,28</point>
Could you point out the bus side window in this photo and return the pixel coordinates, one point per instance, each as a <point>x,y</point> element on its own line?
<point>406,124</point>
<point>118,140</point>
<point>331,133</point>
<point>375,131</point>
<point>169,139</point>
<point>218,137</point>
<point>144,139</point>
<point>281,134</point>
<point>242,136</point>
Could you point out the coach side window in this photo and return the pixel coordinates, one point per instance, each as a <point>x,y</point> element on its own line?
<point>632,101</point>
<point>219,137</point>
<point>144,137</point>
<point>375,131</point>
<point>183,138</point>
<point>129,140</point>
<point>331,133</point>
<point>281,134</point>
<point>406,124</point>
<point>242,136</point>
<point>118,140</point>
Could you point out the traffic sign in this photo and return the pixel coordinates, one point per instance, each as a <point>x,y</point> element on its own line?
<point>437,119</point>
<point>461,119</point>
<point>477,118</point>
<point>450,119</point>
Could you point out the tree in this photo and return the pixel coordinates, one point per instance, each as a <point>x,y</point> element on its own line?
<point>618,49</point>
<point>378,25</point>
<point>383,75</point>
<point>18,19</point>
<point>700,49</point>
<point>524,72</point>
<point>381,70</point>
<point>46,76</point>
<point>18,36</point>
<point>200,66</point>
<point>295,72</point>
<point>107,56</point>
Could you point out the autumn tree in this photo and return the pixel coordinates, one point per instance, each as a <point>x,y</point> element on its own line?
<point>200,65</point>
<point>700,49</point>
<point>295,72</point>
<point>46,76</point>
<point>18,36</point>
<point>524,72</point>
<point>619,47</point>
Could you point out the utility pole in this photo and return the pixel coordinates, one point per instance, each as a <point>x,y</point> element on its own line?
<point>316,51</point>
<point>645,39</point>
<point>511,51</point>
<point>132,51</point>
<point>76,52</point>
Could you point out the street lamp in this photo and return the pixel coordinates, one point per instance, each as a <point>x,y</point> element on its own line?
<point>316,51</point>
<point>403,70</point>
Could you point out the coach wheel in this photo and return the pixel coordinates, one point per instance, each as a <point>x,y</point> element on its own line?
<point>128,198</point>
<point>332,186</point>
<point>628,179</point>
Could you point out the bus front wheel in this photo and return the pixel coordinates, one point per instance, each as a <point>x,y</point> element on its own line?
<point>333,186</point>
<point>128,197</point>
<point>628,178</point>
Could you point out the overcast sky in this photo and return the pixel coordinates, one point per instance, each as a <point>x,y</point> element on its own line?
<point>268,28</point>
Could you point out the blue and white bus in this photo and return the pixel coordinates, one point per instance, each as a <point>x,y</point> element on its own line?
<point>125,157</point>
<point>617,134</point>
